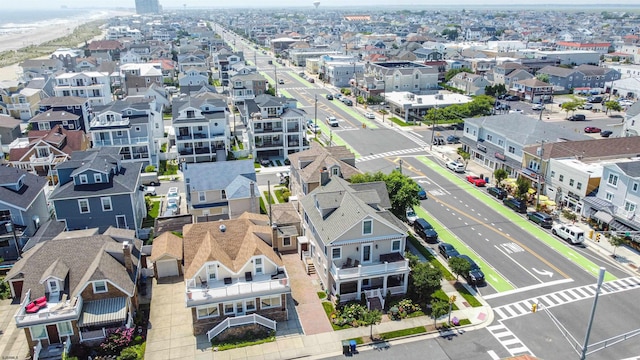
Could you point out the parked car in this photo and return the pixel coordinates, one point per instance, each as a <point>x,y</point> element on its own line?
<point>577,117</point>
<point>421,193</point>
<point>512,98</point>
<point>606,133</point>
<point>497,192</point>
<point>149,191</point>
<point>346,101</point>
<point>537,107</point>
<point>149,178</point>
<point>541,219</point>
<point>329,97</point>
<point>411,216</point>
<point>594,99</point>
<point>369,115</point>
<point>314,128</point>
<point>475,276</point>
<point>332,121</point>
<point>310,123</point>
<point>586,106</point>
<point>173,206</point>
<point>516,205</point>
<point>452,139</point>
<point>516,111</point>
<point>455,166</point>
<point>569,233</point>
<point>425,230</point>
<point>477,181</point>
<point>337,95</point>
<point>311,80</point>
<point>447,250</point>
<point>173,193</point>
<point>592,129</point>
<point>280,81</point>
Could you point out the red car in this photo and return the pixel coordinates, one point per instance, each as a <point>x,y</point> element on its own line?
<point>476,180</point>
<point>592,129</point>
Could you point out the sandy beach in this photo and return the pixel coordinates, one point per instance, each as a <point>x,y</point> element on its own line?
<point>43,34</point>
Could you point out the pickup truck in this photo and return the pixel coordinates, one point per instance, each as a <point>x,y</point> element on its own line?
<point>332,121</point>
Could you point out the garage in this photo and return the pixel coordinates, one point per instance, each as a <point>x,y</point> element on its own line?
<point>166,255</point>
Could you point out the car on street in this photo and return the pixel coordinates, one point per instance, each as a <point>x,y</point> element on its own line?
<point>173,193</point>
<point>329,97</point>
<point>577,117</point>
<point>314,128</point>
<point>477,181</point>
<point>452,139</point>
<point>594,99</point>
<point>455,166</point>
<point>586,106</point>
<point>425,230</point>
<point>625,102</point>
<point>310,122</point>
<point>569,233</point>
<point>512,98</point>
<point>346,101</point>
<point>516,205</point>
<point>411,216</point>
<point>592,130</point>
<point>497,192</point>
<point>541,219</point>
<point>421,193</point>
<point>337,95</point>
<point>280,81</point>
<point>369,115</point>
<point>606,133</point>
<point>311,80</point>
<point>516,111</point>
<point>447,250</point>
<point>332,121</point>
<point>537,107</point>
<point>475,276</point>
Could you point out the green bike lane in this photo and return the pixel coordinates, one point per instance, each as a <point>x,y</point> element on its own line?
<point>534,230</point>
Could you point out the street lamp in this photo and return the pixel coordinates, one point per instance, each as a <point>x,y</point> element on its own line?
<point>540,153</point>
<point>275,70</point>
<point>384,99</point>
<point>315,117</point>
<point>593,313</point>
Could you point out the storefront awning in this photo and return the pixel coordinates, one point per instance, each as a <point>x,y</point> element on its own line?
<point>102,312</point>
<point>603,216</point>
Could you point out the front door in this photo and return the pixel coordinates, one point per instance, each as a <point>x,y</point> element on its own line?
<point>366,253</point>
<point>121,222</point>
<point>52,332</point>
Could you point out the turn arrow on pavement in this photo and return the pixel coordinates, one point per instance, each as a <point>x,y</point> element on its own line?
<point>543,272</point>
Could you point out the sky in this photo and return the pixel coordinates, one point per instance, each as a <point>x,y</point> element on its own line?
<point>40,4</point>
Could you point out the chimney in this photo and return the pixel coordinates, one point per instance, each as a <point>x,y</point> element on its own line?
<point>324,176</point>
<point>126,252</point>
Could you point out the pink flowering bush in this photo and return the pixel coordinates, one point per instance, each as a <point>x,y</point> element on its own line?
<point>117,339</point>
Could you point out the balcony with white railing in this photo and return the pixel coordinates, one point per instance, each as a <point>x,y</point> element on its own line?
<point>199,293</point>
<point>53,311</point>
<point>99,122</point>
<point>369,269</point>
<point>18,106</point>
<point>121,141</point>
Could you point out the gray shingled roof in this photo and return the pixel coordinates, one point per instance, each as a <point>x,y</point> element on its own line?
<point>32,186</point>
<point>631,168</point>
<point>102,259</point>
<point>349,209</point>
<point>233,176</point>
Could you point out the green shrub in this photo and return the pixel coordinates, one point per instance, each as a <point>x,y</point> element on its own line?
<point>149,168</point>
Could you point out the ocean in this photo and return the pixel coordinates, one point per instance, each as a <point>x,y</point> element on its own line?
<point>17,21</point>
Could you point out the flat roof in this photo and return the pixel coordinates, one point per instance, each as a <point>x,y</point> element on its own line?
<point>407,99</point>
<point>400,65</point>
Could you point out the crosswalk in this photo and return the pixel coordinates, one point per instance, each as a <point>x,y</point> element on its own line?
<point>563,297</point>
<point>390,153</point>
<point>513,344</point>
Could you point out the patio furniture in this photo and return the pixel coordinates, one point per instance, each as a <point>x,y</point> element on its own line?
<point>347,264</point>
<point>356,263</point>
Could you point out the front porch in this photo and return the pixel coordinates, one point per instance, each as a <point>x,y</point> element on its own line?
<point>372,287</point>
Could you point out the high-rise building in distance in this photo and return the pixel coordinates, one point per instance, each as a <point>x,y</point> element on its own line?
<point>148,6</point>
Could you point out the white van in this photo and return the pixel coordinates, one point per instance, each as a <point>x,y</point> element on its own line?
<point>569,233</point>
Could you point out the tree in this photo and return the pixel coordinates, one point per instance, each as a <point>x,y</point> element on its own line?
<point>499,175</point>
<point>370,318</point>
<point>453,72</point>
<point>149,168</point>
<point>616,241</point>
<point>543,77</point>
<point>426,279</point>
<point>570,106</point>
<point>613,106</point>
<point>522,187</point>
<point>403,191</point>
<point>459,266</point>
<point>439,309</point>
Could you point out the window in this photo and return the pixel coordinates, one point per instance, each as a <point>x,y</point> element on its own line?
<point>511,149</point>
<point>561,178</point>
<point>367,227</point>
<point>38,332</point>
<point>553,174</point>
<point>119,133</point>
<point>634,187</point>
<point>83,179</point>
<point>224,194</point>
<point>609,196</point>
<point>202,196</point>
<point>208,311</point>
<point>286,241</point>
<point>99,287</point>
<point>269,302</point>
<point>612,180</point>
<point>395,245</point>
<point>336,253</point>
<point>489,137</point>
<point>629,206</point>
<point>97,178</point>
<point>258,262</point>
<point>570,182</point>
<point>229,309</point>
<point>211,271</point>
<point>500,142</point>
<point>579,185</point>
<point>334,171</point>
<point>106,204</point>
<point>250,305</point>
<point>83,204</point>
<point>64,328</point>
<point>137,129</point>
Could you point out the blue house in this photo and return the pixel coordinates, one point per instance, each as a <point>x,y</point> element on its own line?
<point>70,112</point>
<point>96,189</point>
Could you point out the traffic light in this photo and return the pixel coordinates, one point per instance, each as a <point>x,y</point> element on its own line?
<point>534,307</point>
<point>590,234</point>
<point>598,237</point>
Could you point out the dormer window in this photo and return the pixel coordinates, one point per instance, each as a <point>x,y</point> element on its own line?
<point>367,227</point>
<point>83,179</point>
<point>99,287</point>
<point>97,178</point>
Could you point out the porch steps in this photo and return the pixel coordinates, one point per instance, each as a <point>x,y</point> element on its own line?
<point>311,269</point>
<point>374,304</point>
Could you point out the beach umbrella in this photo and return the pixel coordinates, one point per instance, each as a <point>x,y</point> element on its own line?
<point>544,198</point>
<point>550,203</point>
<point>531,191</point>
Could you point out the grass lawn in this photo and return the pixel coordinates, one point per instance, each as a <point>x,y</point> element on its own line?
<point>430,258</point>
<point>399,122</point>
<point>249,340</point>
<point>329,309</point>
<point>404,332</point>
<point>467,295</point>
<point>269,197</point>
<point>263,208</point>
<point>279,195</point>
<point>152,214</point>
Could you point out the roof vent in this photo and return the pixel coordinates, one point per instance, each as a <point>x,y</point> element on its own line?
<point>223,228</point>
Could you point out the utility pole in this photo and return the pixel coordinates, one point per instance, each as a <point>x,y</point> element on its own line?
<point>275,70</point>
<point>400,167</point>
<point>315,117</point>
<point>384,101</point>
<point>540,153</point>
<point>433,128</point>
<point>593,313</point>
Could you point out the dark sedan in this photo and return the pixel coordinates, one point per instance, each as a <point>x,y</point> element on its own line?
<point>447,250</point>
<point>606,133</point>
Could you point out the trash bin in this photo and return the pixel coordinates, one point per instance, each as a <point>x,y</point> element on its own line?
<point>486,180</point>
<point>345,347</point>
<point>352,345</point>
